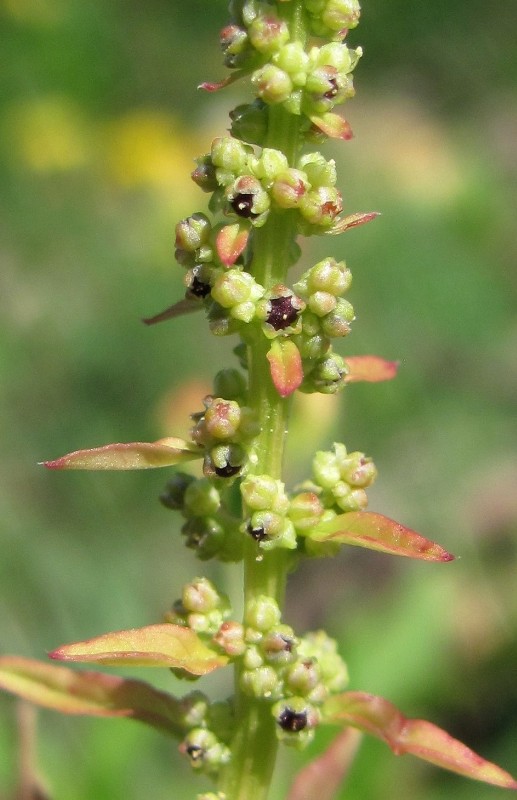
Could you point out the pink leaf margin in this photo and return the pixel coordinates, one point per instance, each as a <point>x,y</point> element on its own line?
<point>377,532</point>
<point>162,645</point>
<point>323,776</point>
<point>126,456</point>
<point>378,717</point>
<point>93,694</point>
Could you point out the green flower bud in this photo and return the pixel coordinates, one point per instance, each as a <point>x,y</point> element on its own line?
<point>192,232</point>
<point>313,348</point>
<point>236,287</point>
<point>303,677</point>
<point>204,535</point>
<point>305,511</point>
<point>205,752</point>
<point>358,470</point>
<point>289,188</point>
<point>220,322</point>
<point>337,55</point>
<point>337,322</point>
<point>319,171</point>
<point>279,645</point>
<point>249,122</point>
<point>328,375</point>
<point>269,164</point>
<point>204,174</point>
<point>261,492</point>
<point>318,645</point>
<point>230,638</point>
<point>262,613</point>
<point>234,44</point>
<point>293,59</point>
<point>173,495</point>
<point>322,303</point>
<point>272,84</point>
<point>268,34</point>
<point>230,384</point>
<point>200,595</point>
<point>230,154</point>
<point>326,469</point>
<point>222,418</point>
<point>252,658</point>
<point>194,709</point>
<point>260,682</point>
<point>341,14</point>
<point>201,498</point>
<point>348,499</point>
<point>321,206</point>
<point>225,461</point>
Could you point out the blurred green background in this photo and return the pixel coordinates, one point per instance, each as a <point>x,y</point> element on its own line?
<point>100,121</point>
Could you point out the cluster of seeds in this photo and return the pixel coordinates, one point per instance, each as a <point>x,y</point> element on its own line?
<point>208,727</point>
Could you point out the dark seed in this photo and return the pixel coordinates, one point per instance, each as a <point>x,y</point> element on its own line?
<point>228,471</point>
<point>242,204</point>
<point>294,721</point>
<point>282,313</point>
<point>259,534</point>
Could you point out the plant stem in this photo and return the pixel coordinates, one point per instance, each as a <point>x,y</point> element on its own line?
<point>255,745</point>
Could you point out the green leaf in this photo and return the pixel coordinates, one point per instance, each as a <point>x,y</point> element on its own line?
<point>380,718</point>
<point>286,366</point>
<point>164,645</point>
<point>90,693</point>
<point>333,125</point>
<point>352,221</point>
<point>134,455</point>
<point>370,368</point>
<point>376,532</point>
<point>323,777</point>
<point>230,242</point>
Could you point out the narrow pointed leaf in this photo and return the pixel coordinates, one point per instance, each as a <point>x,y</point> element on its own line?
<point>92,694</point>
<point>376,532</point>
<point>333,126</point>
<point>286,366</point>
<point>352,221</point>
<point>380,718</point>
<point>230,242</point>
<point>164,645</point>
<point>370,368</point>
<point>214,86</point>
<point>133,455</point>
<point>323,777</point>
<point>179,309</point>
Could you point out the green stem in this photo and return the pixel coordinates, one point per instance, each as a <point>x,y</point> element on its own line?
<point>255,744</point>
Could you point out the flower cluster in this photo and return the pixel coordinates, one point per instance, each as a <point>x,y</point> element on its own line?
<point>294,676</point>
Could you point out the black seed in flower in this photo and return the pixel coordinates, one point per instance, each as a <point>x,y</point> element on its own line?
<point>332,92</point>
<point>293,721</point>
<point>195,752</point>
<point>259,534</point>
<point>228,471</point>
<point>242,204</point>
<point>197,288</point>
<point>282,313</point>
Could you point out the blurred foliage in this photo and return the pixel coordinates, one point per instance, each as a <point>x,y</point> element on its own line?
<point>99,124</point>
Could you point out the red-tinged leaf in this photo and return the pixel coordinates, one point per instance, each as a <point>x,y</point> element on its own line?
<point>164,645</point>
<point>286,366</point>
<point>323,777</point>
<point>230,242</point>
<point>370,368</point>
<point>376,532</point>
<point>333,126</point>
<point>210,86</point>
<point>352,221</point>
<point>380,718</point>
<point>90,693</point>
<point>185,306</point>
<point>133,455</point>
